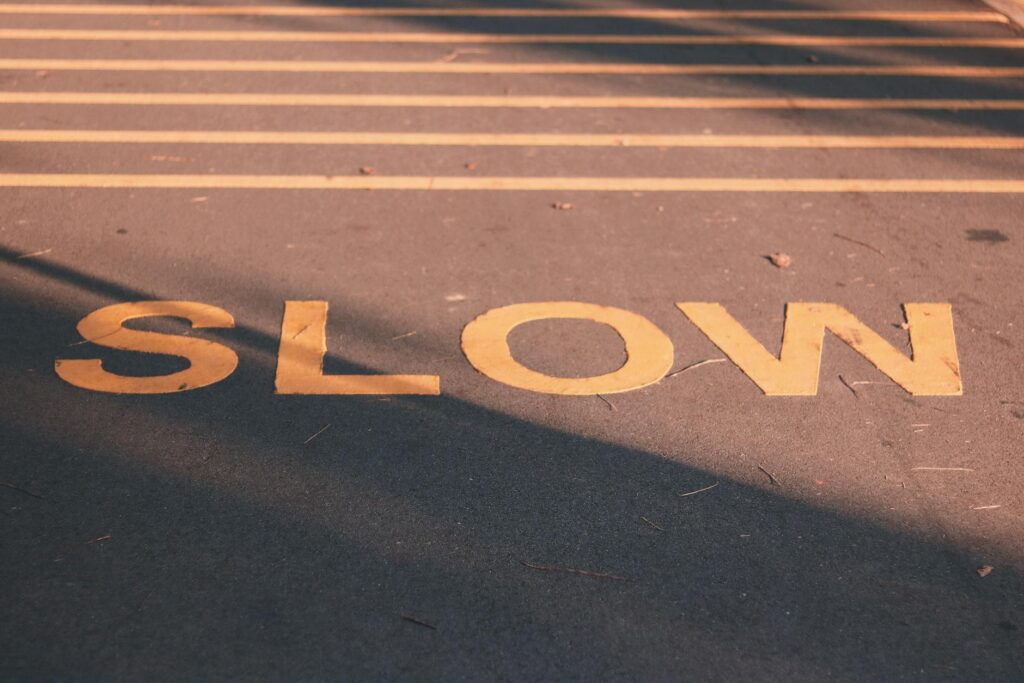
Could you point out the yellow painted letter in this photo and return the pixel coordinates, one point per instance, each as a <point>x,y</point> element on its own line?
<point>933,371</point>
<point>649,353</point>
<point>210,362</point>
<point>300,360</point>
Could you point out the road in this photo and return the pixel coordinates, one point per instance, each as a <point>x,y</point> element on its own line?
<point>416,165</point>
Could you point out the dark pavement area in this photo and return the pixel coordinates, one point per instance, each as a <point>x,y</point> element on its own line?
<point>229,532</point>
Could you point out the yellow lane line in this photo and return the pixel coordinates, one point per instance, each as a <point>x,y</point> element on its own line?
<point>494,101</point>
<point>501,38</point>
<point>509,139</point>
<point>321,182</point>
<point>296,66</point>
<point>632,13</point>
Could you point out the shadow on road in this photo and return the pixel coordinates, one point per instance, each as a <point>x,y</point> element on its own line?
<point>196,535</point>
<point>766,85</point>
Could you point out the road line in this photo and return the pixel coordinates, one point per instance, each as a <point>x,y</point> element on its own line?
<point>633,184</point>
<point>630,13</point>
<point>502,38</point>
<point>278,66</point>
<point>496,101</point>
<point>507,139</point>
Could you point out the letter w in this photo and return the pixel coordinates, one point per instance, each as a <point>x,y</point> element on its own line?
<point>933,369</point>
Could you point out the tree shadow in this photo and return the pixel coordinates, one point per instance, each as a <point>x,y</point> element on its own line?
<point>767,85</point>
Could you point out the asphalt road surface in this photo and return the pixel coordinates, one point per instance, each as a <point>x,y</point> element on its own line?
<point>416,165</point>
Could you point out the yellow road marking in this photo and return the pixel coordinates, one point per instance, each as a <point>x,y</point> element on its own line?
<point>649,352</point>
<point>209,362</point>
<point>508,101</point>
<point>267,66</point>
<point>300,361</point>
<point>932,370</point>
<point>232,137</point>
<point>500,38</point>
<point>633,13</point>
<point>322,182</point>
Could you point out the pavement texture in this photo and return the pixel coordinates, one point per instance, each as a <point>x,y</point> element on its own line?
<point>492,533</point>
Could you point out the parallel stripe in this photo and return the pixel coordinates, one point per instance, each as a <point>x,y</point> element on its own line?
<point>502,38</point>
<point>276,66</point>
<point>320,182</point>
<point>633,13</point>
<point>495,101</point>
<point>507,139</point>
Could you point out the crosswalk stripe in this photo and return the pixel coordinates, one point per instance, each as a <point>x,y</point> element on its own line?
<point>498,101</point>
<point>632,13</point>
<point>509,139</point>
<point>634,184</point>
<point>441,67</point>
<point>503,38</point>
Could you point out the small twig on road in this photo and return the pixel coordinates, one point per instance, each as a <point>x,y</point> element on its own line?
<point>986,507</point>
<point>694,493</point>
<point>863,244</point>
<point>607,402</point>
<point>403,336</point>
<point>848,386</point>
<point>33,254</point>
<point>771,476</point>
<point>94,339</point>
<point>691,366</point>
<point>418,622</point>
<point>942,469</point>
<point>322,430</point>
<point>650,523</point>
<point>457,52</point>
<point>21,490</point>
<point>573,570</point>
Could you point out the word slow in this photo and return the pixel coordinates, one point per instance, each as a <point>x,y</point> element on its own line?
<point>933,369</point>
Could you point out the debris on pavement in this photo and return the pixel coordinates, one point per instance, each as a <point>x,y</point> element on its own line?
<point>859,243</point>
<point>563,206</point>
<point>33,254</point>
<point>650,523</point>
<point>990,236</point>
<point>775,481</point>
<point>941,469</point>
<point>418,622</point>
<point>694,493</point>
<point>11,486</point>
<point>692,366</point>
<point>318,433</point>
<point>781,260</point>
<point>984,570</point>
<point>573,570</point>
<point>452,55</point>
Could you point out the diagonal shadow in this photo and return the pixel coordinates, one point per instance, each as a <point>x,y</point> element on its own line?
<point>235,550</point>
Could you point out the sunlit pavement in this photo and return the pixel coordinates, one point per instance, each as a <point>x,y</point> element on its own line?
<point>417,165</point>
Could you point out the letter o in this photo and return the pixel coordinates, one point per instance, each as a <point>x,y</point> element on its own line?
<point>649,352</point>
